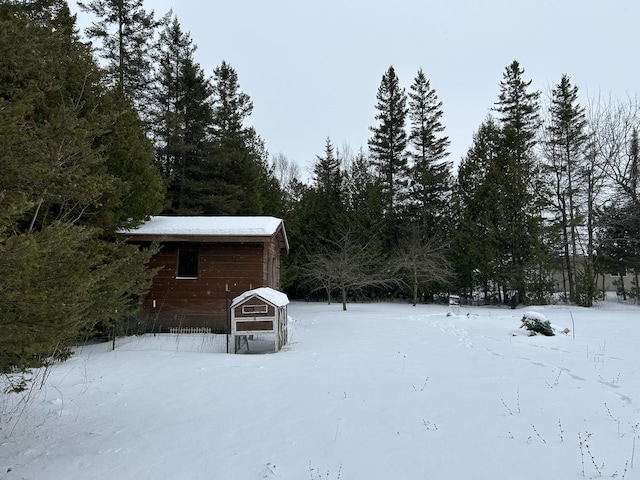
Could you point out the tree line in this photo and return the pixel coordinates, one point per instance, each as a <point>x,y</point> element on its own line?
<point>102,129</point>
<point>543,205</point>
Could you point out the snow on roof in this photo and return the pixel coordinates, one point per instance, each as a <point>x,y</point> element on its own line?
<point>274,297</point>
<point>207,226</point>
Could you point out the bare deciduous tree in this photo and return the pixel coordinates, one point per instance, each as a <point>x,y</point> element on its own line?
<point>346,266</point>
<point>423,261</point>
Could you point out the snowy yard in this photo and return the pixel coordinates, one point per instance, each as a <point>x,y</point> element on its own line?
<point>382,391</point>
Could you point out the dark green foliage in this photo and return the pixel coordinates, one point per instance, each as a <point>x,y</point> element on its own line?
<point>58,284</point>
<point>430,185</point>
<point>182,119</point>
<point>125,34</point>
<point>498,240</point>
<point>564,151</point>
<point>129,159</point>
<point>515,176</point>
<point>388,143</point>
<point>474,243</point>
<point>364,200</point>
<point>585,286</point>
<point>239,157</point>
<point>75,166</point>
<point>212,162</point>
<point>535,326</point>
<point>48,121</point>
<point>326,198</point>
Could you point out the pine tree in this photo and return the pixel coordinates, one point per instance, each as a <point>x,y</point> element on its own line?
<point>388,143</point>
<point>430,187</point>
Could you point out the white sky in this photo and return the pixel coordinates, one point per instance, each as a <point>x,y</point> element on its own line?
<point>313,70</point>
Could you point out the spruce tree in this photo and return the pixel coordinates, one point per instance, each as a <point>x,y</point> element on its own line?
<point>327,193</point>
<point>516,174</point>
<point>364,205</point>
<point>388,144</point>
<point>430,185</point>
<point>126,34</point>
<point>183,117</point>
<point>239,158</point>
<point>565,147</point>
<point>475,245</point>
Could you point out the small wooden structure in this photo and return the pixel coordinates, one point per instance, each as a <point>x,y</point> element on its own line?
<point>204,262</point>
<point>259,311</point>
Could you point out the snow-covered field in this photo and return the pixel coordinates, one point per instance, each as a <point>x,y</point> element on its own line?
<point>382,391</point>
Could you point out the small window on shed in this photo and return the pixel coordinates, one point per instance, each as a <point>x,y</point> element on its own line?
<point>254,309</point>
<point>187,264</point>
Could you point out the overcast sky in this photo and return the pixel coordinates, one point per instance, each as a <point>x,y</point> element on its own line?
<point>313,69</point>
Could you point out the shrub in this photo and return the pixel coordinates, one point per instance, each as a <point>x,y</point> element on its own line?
<point>537,325</point>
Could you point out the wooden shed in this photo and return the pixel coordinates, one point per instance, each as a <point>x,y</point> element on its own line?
<point>204,262</point>
<point>256,312</point>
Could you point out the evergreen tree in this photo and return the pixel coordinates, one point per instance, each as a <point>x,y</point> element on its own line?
<point>474,240</point>
<point>60,175</point>
<point>516,175</point>
<point>183,117</point>
<point>565,147</point>
<point>518,109</point>
<point>388,144</point>
<point>239,155</point>
<point>327,196</point>
<point>364,204</point>
<point>126,33</point>
<point>129,158</point>
<point>430,186</point>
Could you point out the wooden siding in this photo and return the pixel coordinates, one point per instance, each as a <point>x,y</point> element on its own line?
<point>238,313</point>
<point>202,302</point>
<point>264,325</point>
<point>271,264</point>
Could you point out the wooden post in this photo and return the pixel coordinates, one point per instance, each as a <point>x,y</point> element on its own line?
<point>227,313</point>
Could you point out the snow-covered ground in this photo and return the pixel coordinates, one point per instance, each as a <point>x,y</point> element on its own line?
<point>382,391</point>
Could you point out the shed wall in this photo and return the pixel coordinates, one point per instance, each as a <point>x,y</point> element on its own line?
<point>201,302</point>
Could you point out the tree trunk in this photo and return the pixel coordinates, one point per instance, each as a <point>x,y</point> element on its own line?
<point>344,298</point>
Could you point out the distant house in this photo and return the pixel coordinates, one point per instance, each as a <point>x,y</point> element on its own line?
<point>205,262</point>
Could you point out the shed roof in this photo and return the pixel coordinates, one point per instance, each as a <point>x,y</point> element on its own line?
<point>208,228</point>
<point>274,297</point>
